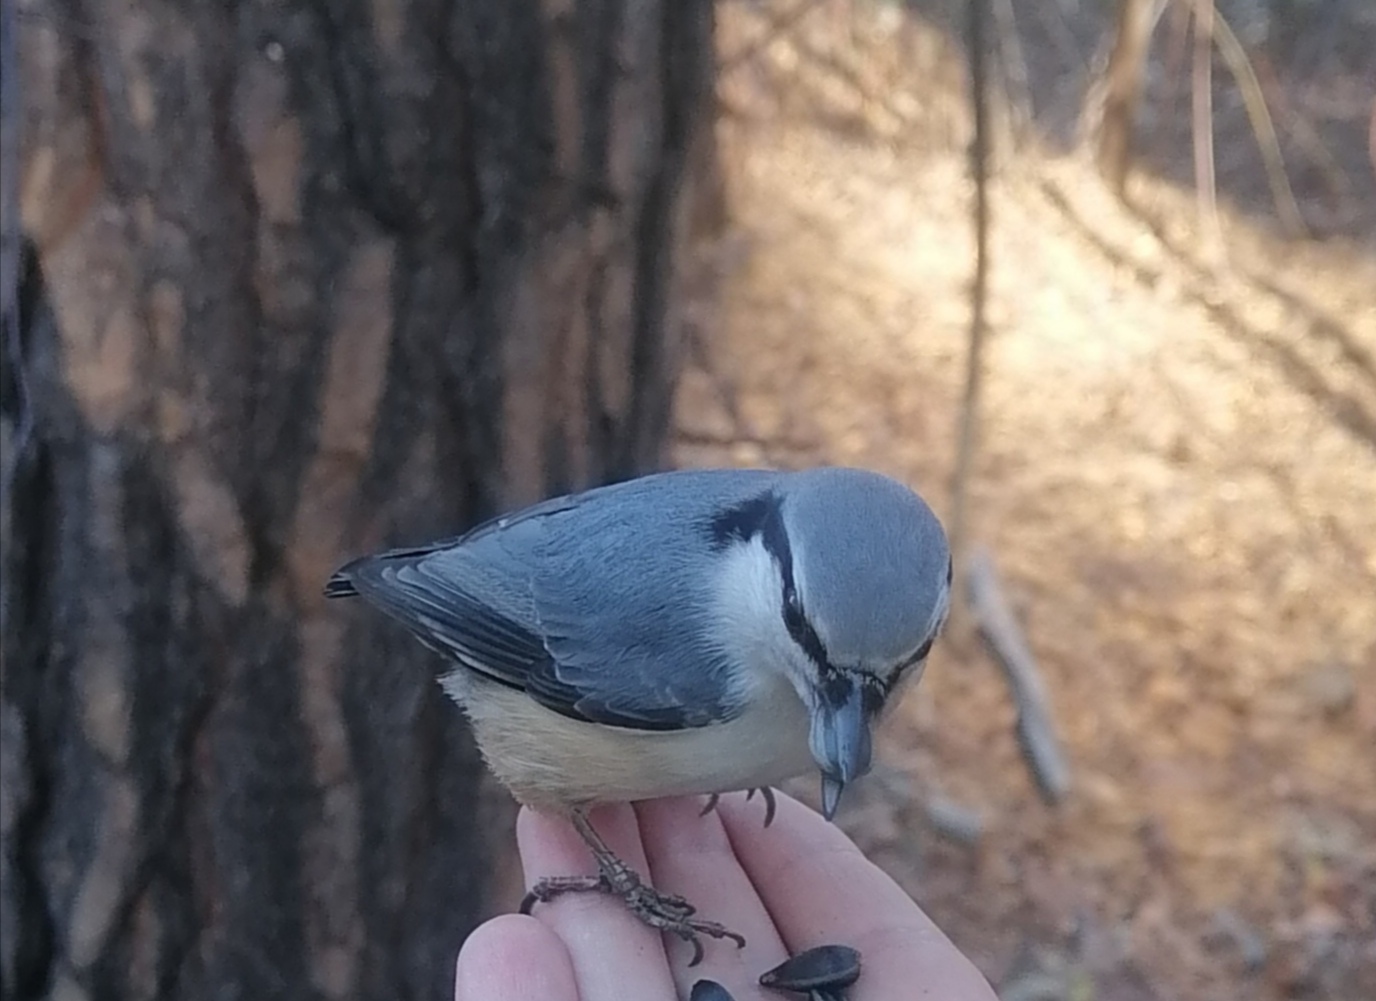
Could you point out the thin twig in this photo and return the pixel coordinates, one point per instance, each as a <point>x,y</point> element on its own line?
<point>1015,72</point>
<point>1203,121</point>
<point>1036,725</point>
<point>1173,60</point>
<point>979,286</point>
<point>1122,88</point>
<point>1303,134</point>
<point>1230,48</point>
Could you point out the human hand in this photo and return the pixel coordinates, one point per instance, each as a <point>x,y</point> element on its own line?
<point>798,884</point>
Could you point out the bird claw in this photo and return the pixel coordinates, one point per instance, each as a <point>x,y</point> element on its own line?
<point>691,931</point>
<point>666,912</point>
<point>550,887</point>
<point>770,804</point>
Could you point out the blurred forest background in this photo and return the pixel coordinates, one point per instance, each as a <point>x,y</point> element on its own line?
<point>287,285</point>
<point>1176,475</point>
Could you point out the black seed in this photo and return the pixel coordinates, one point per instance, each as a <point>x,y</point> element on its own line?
<point>709,990</point>
<point>821,968</point>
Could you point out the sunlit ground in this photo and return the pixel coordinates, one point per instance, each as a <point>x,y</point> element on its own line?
<point>1185,523</point>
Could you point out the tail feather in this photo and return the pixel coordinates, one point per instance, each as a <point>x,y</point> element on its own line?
<point>340,586</point>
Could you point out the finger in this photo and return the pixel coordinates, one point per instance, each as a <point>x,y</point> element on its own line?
<point>615,955</point>
<point>819,889</point>
<point>512,958</point>
<point>691,855</point>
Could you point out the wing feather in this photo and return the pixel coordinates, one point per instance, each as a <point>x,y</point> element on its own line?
<point>579,601</point>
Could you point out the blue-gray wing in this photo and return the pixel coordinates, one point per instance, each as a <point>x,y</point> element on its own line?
<point>429,592</point>
<point>624,596</point>
<point>596,605</point>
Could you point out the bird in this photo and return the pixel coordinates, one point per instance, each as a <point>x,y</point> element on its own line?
<point>690,632</point>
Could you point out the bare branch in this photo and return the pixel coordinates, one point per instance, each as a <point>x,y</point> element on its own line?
<point>1202,103</point>
<point>1123,89</point>
<point>1230,48</point>
<point>979,288</point>
<point>999,629</point>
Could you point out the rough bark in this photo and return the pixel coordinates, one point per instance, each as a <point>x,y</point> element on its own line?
<point>302,280</point>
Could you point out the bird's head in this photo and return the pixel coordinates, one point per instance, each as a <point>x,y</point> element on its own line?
<point>855,590</point>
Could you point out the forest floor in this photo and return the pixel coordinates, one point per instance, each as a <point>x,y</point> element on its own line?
<point>1177,482</point>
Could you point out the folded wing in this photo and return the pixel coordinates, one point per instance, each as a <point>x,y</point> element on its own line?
<point>579,602</point>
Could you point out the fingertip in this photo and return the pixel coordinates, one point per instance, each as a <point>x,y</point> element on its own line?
<point>514,957</point>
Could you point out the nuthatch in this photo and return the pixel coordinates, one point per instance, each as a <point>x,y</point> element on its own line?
<point>692,632</point>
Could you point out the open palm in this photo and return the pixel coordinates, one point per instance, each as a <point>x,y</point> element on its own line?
<point>798,884</point>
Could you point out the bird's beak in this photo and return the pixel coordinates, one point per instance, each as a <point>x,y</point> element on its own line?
<point>840,738</point>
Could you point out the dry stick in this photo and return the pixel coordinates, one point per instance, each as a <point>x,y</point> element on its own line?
<point>1036,727</point>
<point>1203,105</point>
<point>1121,83</point>
<point>1214,28</point>
<point>1230,48</point>
<point>1173,61</point>
<point>1017,78</point>
<point>1305,136</point>
<point>979,287</point>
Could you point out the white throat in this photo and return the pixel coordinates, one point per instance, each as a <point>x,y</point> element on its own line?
<point>749,615</point>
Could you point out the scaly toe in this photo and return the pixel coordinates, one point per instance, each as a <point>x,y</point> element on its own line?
<point>550,887</point>
<point>673,914</point>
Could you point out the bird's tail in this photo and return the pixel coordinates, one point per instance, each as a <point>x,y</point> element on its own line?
<point>340,585</point>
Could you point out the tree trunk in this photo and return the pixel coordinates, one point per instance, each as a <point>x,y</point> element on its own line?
<point>302,280</point>
<point>1127,67</point>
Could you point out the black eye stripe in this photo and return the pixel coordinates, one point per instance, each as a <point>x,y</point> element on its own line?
<point>877,688</point>
<point>769,524</point>
<point>762,516</point>
<point>795,620</point>
<point>834,686</point>
<point>740,523</point>
<point>874,695</point>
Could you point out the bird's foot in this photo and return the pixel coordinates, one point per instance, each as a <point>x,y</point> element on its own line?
<point>766,793</point>
<point>666,912</point>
